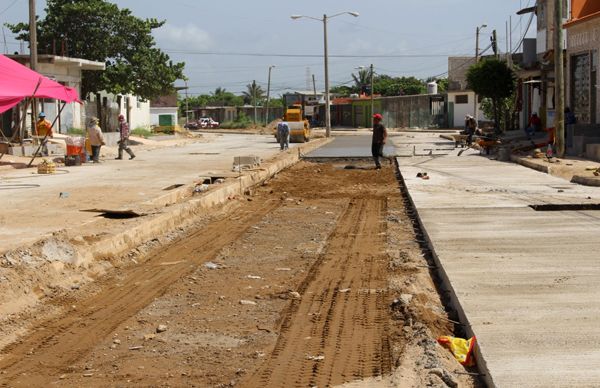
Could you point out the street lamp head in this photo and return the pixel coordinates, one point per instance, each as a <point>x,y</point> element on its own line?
<point>355,14</point>
<point>296,16</point>
<point>483,26</point>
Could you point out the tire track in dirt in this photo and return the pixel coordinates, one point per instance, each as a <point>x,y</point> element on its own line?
<point>54,346</point>
<point>338,331</point>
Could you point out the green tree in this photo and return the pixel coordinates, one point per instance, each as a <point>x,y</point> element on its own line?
<point>493,79</point>
<point>362,81</point>
<point>253,92</point>
<point>98,30</point>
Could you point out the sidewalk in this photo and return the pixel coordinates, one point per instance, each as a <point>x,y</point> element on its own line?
<point>36,206</point>
<point>525,281</point>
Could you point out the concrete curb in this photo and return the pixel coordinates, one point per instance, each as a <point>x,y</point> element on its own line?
<point>182,214</point>
<point>586,180</point>
<point>446,285</point>
<point>579,179</point>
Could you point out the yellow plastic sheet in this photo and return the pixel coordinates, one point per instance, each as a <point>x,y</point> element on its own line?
<point>461,348</point>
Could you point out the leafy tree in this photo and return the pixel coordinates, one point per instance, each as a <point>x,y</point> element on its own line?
<point>343,90</point>
<point>493,79</point>
<point>98,30</point>
<point>362,81</point>
<point>254,93</point>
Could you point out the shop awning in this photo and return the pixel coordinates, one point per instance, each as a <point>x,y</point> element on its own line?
<point>18,82</point>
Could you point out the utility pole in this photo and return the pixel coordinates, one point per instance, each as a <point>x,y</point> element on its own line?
<point>559,80</point>
<point>372,101</point>
<point>187,104</point>
<point>314,87</point>
<point>268,95</point>
<point>32,36</point>
<point>254,98</point>
<point>475,110</point>
<point>33,60</point>
<point>327,112</point>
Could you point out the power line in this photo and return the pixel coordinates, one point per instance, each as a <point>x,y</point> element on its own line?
<point>10,6</point>
<point>242,54</point>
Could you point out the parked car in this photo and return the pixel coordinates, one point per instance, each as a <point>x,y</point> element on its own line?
<point>208,122</point>
<point>192,125</point>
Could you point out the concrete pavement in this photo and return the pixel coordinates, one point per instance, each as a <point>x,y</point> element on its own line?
<point>33,207</point>
<point>526,281</point>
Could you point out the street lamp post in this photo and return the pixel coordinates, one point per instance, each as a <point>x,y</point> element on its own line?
<point>326,62</point>
<point>479,28</point>
<point>268,95</point>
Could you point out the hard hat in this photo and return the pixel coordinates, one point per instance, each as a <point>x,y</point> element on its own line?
<point>42,114</point>
<point>377,116</point>
<point>121,117</point>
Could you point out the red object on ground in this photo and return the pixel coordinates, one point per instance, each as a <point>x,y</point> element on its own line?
<point>18,82</point>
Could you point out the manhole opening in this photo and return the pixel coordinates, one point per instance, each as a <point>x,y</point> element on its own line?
<point>116,215</point>
<point>212,180</point>
<point>172,187</point>
<point>565,206</point>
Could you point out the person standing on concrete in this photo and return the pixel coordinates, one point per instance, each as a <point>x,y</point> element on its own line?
<point>124,139</point>
<point>379,139</point>
<point>96,138</point>
<point>283,134</point>
<point>43,128</point>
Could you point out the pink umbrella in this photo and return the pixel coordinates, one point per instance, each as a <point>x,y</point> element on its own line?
<point>18,82</point>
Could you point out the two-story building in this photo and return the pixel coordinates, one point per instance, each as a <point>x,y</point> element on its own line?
<point>582,93</point>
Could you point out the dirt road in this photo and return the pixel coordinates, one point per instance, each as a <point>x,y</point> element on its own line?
<point>314,279</point>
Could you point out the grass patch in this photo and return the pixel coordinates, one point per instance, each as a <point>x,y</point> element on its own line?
<point>241,122</point>
<point>75,131</point>
<point>142,132</point>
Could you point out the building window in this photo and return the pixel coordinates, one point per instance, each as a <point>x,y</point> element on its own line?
<point>580,87</point>
<point>461,99</point>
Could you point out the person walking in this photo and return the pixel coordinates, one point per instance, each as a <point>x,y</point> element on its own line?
<point>96,138</point>
<point>43,128</point>
<point>379,139</point>
<point>283,135</point>
<point>124,139</point>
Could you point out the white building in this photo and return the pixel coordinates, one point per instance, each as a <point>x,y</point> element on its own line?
<point>461,100</point>
<point>164,111</point>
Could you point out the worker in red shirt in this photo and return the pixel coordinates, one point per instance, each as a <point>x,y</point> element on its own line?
<point>534,125</point>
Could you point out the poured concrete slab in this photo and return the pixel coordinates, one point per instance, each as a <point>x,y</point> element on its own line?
<point>527,281</point>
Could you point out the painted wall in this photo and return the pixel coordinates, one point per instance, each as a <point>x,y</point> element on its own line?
<point>156,112</point>
<point>461,110</point>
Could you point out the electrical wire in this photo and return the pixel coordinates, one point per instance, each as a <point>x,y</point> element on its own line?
<point>524,34</point>
<point>9,6</point>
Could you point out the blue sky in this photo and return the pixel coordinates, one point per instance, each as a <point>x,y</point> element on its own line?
<point>422,32</point>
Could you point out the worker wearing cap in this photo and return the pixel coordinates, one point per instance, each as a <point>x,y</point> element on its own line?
<point>379,138</point>
<point>124,139</point>
<point>470,128</point>
<point>283,135</point>
<point>43,128</point>
<point>96,138</point>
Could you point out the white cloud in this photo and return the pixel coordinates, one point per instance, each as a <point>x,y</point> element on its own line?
<point>188,37</point>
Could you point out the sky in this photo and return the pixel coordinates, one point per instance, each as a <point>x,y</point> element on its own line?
<point>230,43</point>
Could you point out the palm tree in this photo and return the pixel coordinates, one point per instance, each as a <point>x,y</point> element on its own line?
<point>362,81</point>
<point>254,94</point>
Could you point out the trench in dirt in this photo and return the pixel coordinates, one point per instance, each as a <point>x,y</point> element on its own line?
<point>317,255</point>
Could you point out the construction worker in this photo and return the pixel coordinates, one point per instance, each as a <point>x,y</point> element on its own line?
<point>283,135</point>
<point>534,125</point>
<point>470,128</point>
<point>43,128</point>
<point>124,140</point>
<point>96,139</point>
<point>379,139</point>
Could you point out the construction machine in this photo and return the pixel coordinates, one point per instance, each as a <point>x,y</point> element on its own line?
<point>299,128</point>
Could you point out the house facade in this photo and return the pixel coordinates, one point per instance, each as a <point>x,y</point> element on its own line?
<point>66,71</point>
<point>582,92</point>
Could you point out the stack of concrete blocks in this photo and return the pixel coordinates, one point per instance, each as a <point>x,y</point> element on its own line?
<point>245,162</point>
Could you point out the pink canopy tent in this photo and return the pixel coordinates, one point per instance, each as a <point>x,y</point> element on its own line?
<point>18,82</point>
